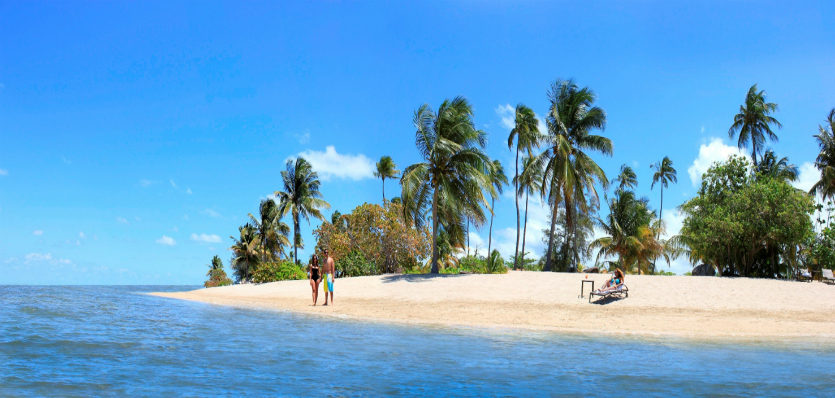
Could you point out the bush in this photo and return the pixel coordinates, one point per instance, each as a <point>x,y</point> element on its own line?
<point>277,271</point>
<point>355,264</point>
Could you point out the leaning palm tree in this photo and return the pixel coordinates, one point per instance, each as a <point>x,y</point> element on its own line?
<point>825,161</point>
<point>753,122</point>
<point>498,180</point>
<point>528,183</point>
<point>452,180</point>
<point>570,174</point>
<point>386,169</point>
<point>301,197</point>
<point>245,251</point>
<point>780,168</point>
<point>273,232</point>
<point>664,173</point>
<point>527,135</point>
<point>621,228</point>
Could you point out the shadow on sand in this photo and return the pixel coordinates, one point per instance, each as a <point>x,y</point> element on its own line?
<point>607,300</point>
<point>416,278</point>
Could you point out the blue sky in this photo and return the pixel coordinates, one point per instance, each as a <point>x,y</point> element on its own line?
<point>136,137</point>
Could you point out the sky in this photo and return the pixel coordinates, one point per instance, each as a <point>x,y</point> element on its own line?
<point>135,137</point>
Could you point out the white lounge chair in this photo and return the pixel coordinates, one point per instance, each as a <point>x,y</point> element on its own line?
<point>827,275</point>
<point>620,291</point>
<point>804,274</point>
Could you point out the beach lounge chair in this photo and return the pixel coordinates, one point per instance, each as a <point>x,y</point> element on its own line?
<point>621,291</point>
<point>803,274</point>
<point>827,275</point>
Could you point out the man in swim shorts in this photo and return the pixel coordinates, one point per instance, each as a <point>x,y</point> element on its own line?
<point>328,275</point>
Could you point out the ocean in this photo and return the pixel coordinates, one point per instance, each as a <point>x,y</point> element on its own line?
<point>117,341</point>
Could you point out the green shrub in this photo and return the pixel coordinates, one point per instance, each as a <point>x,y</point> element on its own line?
<point>355,264</point>
<point>278,271</point>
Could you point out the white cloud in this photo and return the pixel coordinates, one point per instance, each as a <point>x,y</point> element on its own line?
<point>714,151</point>
<point>210,213</point>
<point>38,257</point>
<point>809,175</point>
<point>167,241</point>
<point>188,191</point>
<point>185,216</point>
<point>331,164</point>
<point>4,172</point>
<point>303,138</point>
<point>476,243</point>
<point>81,235</point>
<point>37,232</point>
<point>176,229</point>
<point>121,220</point>
<point>635,164</point>
<point>508,115</point>
<point>77,242</point>
<point>702,131</point>
<point>137,218</point>
<point>504,240</point>
<point>205,238</point>
<point>66,161</point>
<point>172,183</point>
<point>64,261</point>
<point>146,183</point>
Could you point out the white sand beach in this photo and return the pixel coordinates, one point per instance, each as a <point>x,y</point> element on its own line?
<point>702,307</point>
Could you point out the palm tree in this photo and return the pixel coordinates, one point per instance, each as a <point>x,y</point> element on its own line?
<point>780,169</point>
<point>301,197</point>
<point>526,132</point>
<point>386,169</point>
<point>455,172</point>
<point>664,173</point>
<point>627,215</point>
<point>273,232</point>
<point>245,250</point>
<point>215,267</point>
<point>498,180</point>
<point>753,122</point>
<point>825,161</point>
<point>528,183</point>
<point>626,179</point>
<point>569,172</point>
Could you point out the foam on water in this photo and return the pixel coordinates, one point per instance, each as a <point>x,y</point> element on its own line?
<point>116,341</point>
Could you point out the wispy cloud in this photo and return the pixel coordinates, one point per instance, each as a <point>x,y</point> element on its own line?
<point>166,241</point>
<point>37,232</point>
<point>4,172</point>
<point>146,183</point>
<point>508,115</point>
<point>82,236</point>
<point>330,164</point>
<point>714,151</point>
<point>172,183</point>
<point>31,257</point>
<point>205,238</point>
<point>210,213</point>
<point>809,175</point>
<point>303,138</point>
<point>121,220</point>
<point>66,161</point>
<point>188,191</point>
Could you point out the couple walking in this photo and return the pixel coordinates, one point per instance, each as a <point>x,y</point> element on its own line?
<point>319,274</point>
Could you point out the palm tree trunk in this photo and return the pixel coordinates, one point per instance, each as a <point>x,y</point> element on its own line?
<point>435,232</point>
<point>384,190</point>
<point>490,234</point>
<point>516,195</point>
<point>522,262</point>
<point>468,237</point>
<point>576,257</point>
<point>296,239</point>
<point>661,219</point>
<point>551,236</point>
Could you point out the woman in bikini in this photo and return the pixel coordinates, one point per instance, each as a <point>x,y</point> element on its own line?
<point>612,284</point>
<point>313,275</point>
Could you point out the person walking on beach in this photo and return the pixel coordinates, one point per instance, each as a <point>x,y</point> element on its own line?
<point>313,275</point>
<point>327,270</point>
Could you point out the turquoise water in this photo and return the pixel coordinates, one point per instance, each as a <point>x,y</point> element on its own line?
<point>116,341</point>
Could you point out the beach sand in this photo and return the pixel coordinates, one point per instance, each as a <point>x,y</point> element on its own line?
<point>687,306</point>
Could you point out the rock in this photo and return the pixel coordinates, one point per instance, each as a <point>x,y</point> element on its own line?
<point>592,270</point>
<point>704,270</point>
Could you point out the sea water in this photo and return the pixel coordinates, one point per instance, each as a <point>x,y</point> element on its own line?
<point>118,341</point>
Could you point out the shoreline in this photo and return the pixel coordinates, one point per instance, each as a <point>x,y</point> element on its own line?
<point>698,308</point>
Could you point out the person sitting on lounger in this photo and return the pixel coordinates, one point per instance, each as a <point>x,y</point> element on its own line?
<point>613,283</point>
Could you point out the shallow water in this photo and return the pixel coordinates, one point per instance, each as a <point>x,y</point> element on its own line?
<point>117,341</point>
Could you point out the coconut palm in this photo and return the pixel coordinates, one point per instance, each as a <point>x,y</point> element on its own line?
<point>528,183</point>
<point>627,215</point>
<point>626,179</point>
<point>301,197</point>
<point>498,180</point>
<point>215,267</point>
<point>245,251</point>
<point>664,173</point>
<point>273,232</point>
<point>386,169</point>
<point>570,174</point>
<point>777,168</point>
<point>527,135</point>
<point>825,161</point>
<point>754,121</point>
<point>452,180</point>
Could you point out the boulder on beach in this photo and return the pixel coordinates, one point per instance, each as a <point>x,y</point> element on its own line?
<point>592,270</point>
<point>704,270</point>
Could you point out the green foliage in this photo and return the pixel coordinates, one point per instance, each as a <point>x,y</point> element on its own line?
<point>386,168</point>
<point>217,276</point>
<point>301,197</point>
<point>754,121</point>
<point>355,264</point>
<point>245,251</point>
<point>825,161</point>
<point>822,250</point>
<point>745,225</point>
<point>277,271</point>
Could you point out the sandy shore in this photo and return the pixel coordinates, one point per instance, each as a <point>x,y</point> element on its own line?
<point>658,305</point>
